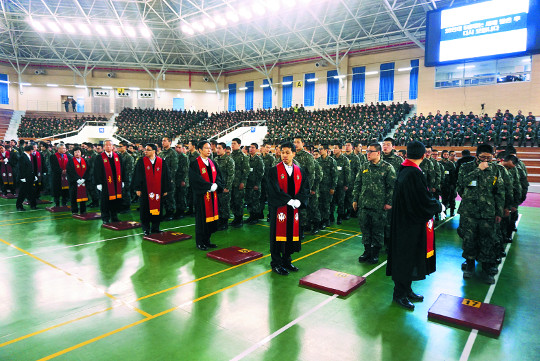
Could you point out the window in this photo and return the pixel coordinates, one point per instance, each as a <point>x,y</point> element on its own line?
<point>332,87</point>
<point>386,82</point>
<point>309,90</point>
<point>287,92</point>
<point>232,97</point>
<point>413,79</point>
<point>4,89</point>
<point>267,95</point>
<point>358,84</point>
<point>249,95</point>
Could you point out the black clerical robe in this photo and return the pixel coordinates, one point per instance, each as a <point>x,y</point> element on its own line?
<point>277,197</point>
<point>200,187</point>
<point>26,190</point>
<point>413,206</point>
<point>56,174</point>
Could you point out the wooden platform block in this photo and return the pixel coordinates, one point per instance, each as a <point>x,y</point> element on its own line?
<point>167,237</point>
<point>332,281</point>
<point>468,313</point>
<point>9,196</point>
<point>40,201</point>
<point>234,255</point>
<point>90,216</point>
<point>122,225</point>
<point>58,209</point>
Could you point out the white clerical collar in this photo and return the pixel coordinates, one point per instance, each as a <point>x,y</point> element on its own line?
<point>152,160</point>
<point>289,169</point>
<point>205,161</point>
<point>29,156</point>
<point>78,159</point>
<point>109,154</point>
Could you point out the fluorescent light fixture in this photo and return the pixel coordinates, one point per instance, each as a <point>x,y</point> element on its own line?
<point>312,80</point>
<point>4,81</point>
<point>37,25</point>
<point>243,88</point>
<point>185,90</point>
<point>273,6</point>
<point>130,31</point>
<point>339,76</point>
<point>80,86</point>
<point>405,69</point>
<point>372,72</point>
<point>220,20</point>
<point>160,89</point>
<point>211,91</point>
<point>197,26</point>
<point>265,85</point>
<point>186,29</point>
<point>245,13</point>
<point>209,24</point>
<point>225,90</point>
<point>106,87</point>
<point>258,8</point>
<point>69,28</point>
<point>145,32</point>
<point>231,15</point>
<point>465,67</point>
<point>84,28</point>
<point>287,83</point>
<point>134,88</point>
<point>52,85</point>
<point>25,84</point>
<point>100,29</point>
<point>53,26</point>
<point>528,60</point>
<point>115,30</point>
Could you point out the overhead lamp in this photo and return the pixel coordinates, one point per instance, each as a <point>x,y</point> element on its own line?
<point>211,91</point>
<point>185,90</point>
<point>53,26</point>
<point>220,20</point>
<point>231,15</point>
<point>273,6</point>
<point>197,26</point>
<point>245,13</point>
<point>69,28</point>
<point>339,76</point>
<point>160,89</point>
<point>528,60</point>
<point>465,67</point>
<point>312,80</point>
<point>265,85</point>
<point>405,69</point>
<point>115,30</point>
<point>371,72</point>
<point>100,29</point>
<point>106,87</point>
<point>37,25</point>
<point>258,8</point>
<point>130,31</point>
<point>187,29</point>
<point>52,85</point>
<point>243,88</point>
<point>209,23</point>
<point>225,90</point>
<point>25,84</point>
<point>84,28</point>
<point>134,88</point>
<point>80,86</point>
<point>145,32</point>
<point>287,83</point>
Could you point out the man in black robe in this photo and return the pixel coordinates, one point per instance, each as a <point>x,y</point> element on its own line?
<point>288,190</point>
<point>78,176</point>
<point>147,171</point>
<point>59,183</point>
<point>205,181</point>
<point>411,253</point>
<point>26,177</point>
<point>110,186</point>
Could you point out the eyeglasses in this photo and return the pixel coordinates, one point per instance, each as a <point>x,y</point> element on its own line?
<point>372,151</point>
<point>485,158</point>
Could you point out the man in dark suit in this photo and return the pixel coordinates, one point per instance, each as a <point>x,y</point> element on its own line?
<point>26,177</point>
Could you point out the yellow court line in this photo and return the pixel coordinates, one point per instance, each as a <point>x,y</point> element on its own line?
<point>144,297</point>
<point>92,340</point>
<point>76,277</point>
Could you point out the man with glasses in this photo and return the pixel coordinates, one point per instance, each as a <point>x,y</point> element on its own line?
<point>482,203</point>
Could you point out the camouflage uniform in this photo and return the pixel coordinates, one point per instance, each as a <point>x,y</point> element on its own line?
<point>373,188</point>
<point>344,175</point>
<point>328,181</point>
<point>170,156</point>
<point>307,163</point>
<point>180,192</point>
<point>429,171</point>
<point>354,163</point>
<point>269,161</point>
<point>226,165</point>
<point>192,157</point>
<point>313,205</point>
<point>129,168</point>
<point>482,194</point>
<point>253,196</point>
<point>241,172</point>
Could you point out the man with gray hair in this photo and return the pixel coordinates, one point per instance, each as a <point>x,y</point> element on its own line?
<point>59,180</point>
<point>108,178</point>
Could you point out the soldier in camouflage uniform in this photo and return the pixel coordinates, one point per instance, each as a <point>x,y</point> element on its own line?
<point>510,163</point>
<point>482,192</point>
<point>253,185</point>
<point>344,175</point>
<point>328,184</point>
<point>313,205</point>
<point>226,165</point>
<point>269,161</point>
<point>193,154</point>
<point>307,163</point>
<point>129,168</point>
<point>429,171</point>
<point>448,184</point>
<point>354,162</point>
<point>241,172</point>
<point>169,156</point>
<point>372,195</point>
<point>522,173</point>
<point>389,156</point>
<point>181,181</point>
<point>358,151</point>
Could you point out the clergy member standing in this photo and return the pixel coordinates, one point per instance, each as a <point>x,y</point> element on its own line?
<point>151,182</point>
<point>27,177</point>
<point>411,253</point>
<point>6,168</point>
<point>205,182</point>
<point>78,175</point>
<point>108,178</point>
<point>60,184</point>
<point>287,192</point>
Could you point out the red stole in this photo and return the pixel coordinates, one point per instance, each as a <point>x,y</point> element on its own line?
<point>153,184</point>
<point>7,171</point>
<point>210,198</point>
<point>39,175</point>
<point>80,168</point>
<point>281,217</point>
<point>114,192</point>
<point>430,233</point>
<point>62,162</point>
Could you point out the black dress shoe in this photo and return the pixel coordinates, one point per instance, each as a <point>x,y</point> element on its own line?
<point>168,218</point>
<point>404,302</point>
<point>280,271</point>
<point>147,233</point>
<point>291,267</point>
<point>33,208</point>
<point>202,247</point>
<point>211,245</point>
<point>115,220</point>
<point>21,209</point>
<point>414,297</point>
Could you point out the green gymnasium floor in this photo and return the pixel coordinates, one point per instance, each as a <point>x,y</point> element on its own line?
<point>71,290</point>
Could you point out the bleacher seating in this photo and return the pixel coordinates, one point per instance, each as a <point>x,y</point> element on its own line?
<point>5,119</point>
<point>38,124</point>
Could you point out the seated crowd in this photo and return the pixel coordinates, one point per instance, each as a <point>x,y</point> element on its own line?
<point>41,127</point>
<point>470,129</point>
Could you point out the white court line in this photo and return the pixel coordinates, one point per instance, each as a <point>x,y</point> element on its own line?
<point>472,336</point>
<point>88,243</point>
<point>295,321</point>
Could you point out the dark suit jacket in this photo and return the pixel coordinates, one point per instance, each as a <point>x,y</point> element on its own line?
<point>26,169</point>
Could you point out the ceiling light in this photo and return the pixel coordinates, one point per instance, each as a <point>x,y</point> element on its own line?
<point>80,86</point>
<point>134,88</point>
<point>258,8</point>
<point>231,15</point>
<point>37,25</point>
<point>243,88</point>
<point>211,91</point>
<point>25,84</point>
<point>185,90</point>
<point>220,20</point>
<point>145,32</point>
<point>197,26</point>
<point>339,76</point>
<point>405,69</point>
<point>312,79</point>
<point>115,30</point>
<point>209,23</point>
<point>273,6</point>
<point>52,85</point>
<point>84,28</point>
<point>106,87</point>
<point>69,28</point>
<point>245,13</point>
<point>371,72</point>
<point>265,85</point>
<point>287,83</point>
<point>225,91</point>
<point>100,30</point>
<point>130,31</point>
<point>187,29</point>
<point>53,26</point>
